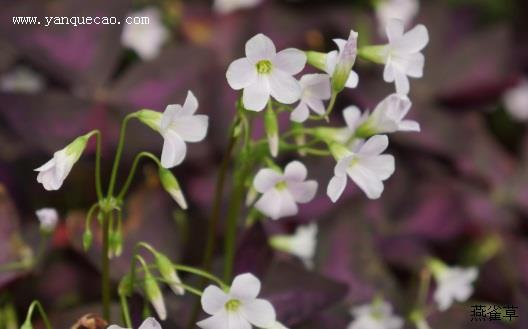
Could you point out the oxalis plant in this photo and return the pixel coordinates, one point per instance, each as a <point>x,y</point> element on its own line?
<point>268,84</point>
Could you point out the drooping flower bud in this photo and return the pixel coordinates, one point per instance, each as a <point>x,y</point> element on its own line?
<point>272,131</point>
<point>171,185</point>
<point>154,295</point>
<point>87,239</point>
<point>167,271</point>
<point>126,286</point>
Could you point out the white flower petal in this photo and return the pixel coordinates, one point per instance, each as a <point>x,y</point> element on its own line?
<point>236,320</point>
<point>150,323</point>
<point>241,73</point>
<point>260,47</point>
<point>283,87</point>
<point>394,30</point>
<point>336,186</point>
<point>269,204</point>
<point>414,40</point>
<point>288,207</point>
<point>352,116</point>
<point>259,312</point>
<point>409,125</point>
<point>191,128</point>
<point>317,84</point>
<point>256,95</point>
<point>367,181</point>
<point>315,104</point>
<point>414,65</point>
<point>171,112</point>
<point>353,80</point>
<point>388,72</point>
<point>303,192</point>
<point>381,165</point>
<point>300,113</point>
<point>402,83</point>
<point>218,321</point>
<point>174,150</point>
<point>374,145</point>
<point>295,171</point>
<point>191,104</point>
<point>331,61</point>
<point>213,299</point>
<point>266,179</point>
<point>290,60</point>
<point>245,287</point>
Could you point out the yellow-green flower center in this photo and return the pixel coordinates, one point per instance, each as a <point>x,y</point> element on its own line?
<point>281,185</point>
<point>232,305</point>
<point>264,66</point>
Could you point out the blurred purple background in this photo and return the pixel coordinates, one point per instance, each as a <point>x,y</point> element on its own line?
<point>460,191</point>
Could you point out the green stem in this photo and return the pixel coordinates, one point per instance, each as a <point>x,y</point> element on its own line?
<point>133,169</point>
<point>425,280</point>
<point>201,273</point>
<point>331,105</point>
<point>217,201</point>
<point>119,152</point>
<point>98,186</point>
<point>125,312</point>
<point>105,263</point>
<point>39,307</point>
<point>183,285</point>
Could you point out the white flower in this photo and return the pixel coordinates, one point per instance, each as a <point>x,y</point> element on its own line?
<point>315,89</point>
<point>282,191</point>
<point>145,39</point>
<point>149,323</point>
<point>239,308</point>
<point>264,72</point>
<point>402,55</point>
<point>277,325</point>
<point>179,125</point>
<point>48,218</point>
<point>377,315</point>
<point>366,166</point>
<point>22,79</point>
<point>453,284</point>
<point>387,117</point>
<point>404,10</point>
<point>301,244</point>
<point>227,6</point>
<point>339,63</point>
<point>53,173</point>
<point>516,101</point>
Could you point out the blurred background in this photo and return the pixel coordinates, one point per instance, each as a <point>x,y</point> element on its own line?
<point>460,191</point>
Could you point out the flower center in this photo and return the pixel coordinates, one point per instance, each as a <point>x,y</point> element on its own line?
<point>264,66</point>
<point>232,305</point>
<point>281,185</point>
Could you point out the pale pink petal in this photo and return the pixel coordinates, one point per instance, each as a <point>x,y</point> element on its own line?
<point>381,165</point>
<point>300,113</point>
<point>245,287</point>
<point>256,95</point>
<point>336,186</point>
<point>259,312</point>
<point>303,192</point>
<point>367,181</point>
<point>290,60</point>
<point>352,116</point>
<point>394,30</point>
<point>374,145</point>
<point>213,299</point>
<point>414,40</point>
<point>260,47</point>
<point>269,204</point>
<point>295,171</point>
<point>241,73</point>
<point>284,88</point>
<point>266,179</point>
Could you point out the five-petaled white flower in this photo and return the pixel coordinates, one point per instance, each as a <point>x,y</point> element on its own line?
<point>404,10</point>
<point>402,55</point>
<point>315,89</point>
<point>377,315</point>
<point>145,39</point>
<point>339,63</point>
<point>227,6</point>
<point>453,284</point>
<point>239,308</point>
<point>179,125</point>
<point>387,117</point>
<point>301,244</point>
<point>366,166</point>
<point>48,218</point>
<point>149,323</point>
<point>516,100</point>
<point>282,191</point>
<point>264,72</point>
<point>53,173</point>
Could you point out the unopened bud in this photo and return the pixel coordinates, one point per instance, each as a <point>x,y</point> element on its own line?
<point>272,131</point>
<point>87,240</point>
<point>345,61</point>
<point>168,273</point>
<point>171,185</point>
<point>154,295</point>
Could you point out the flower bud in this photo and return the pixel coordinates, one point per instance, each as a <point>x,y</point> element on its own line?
<point>300,137</point>
<point>272,131</point>
<point>436,266</point>
<point>26,325</point>
<point>345,61</point>
<point>48,218</point>
<point>126,286</point>
<point>167,271</point>
<point>150,118</point>
<point>171,185</point>
<point>316,59</point>
<point>87,240</point>
<point>115,244</point>
<point>154,295</point>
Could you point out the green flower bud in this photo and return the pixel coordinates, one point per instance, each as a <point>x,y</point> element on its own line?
<point>272,131</point>
<point>87,240</point>
<point>436,266</point>
<point>171,185</point>
<point>154,295</point>
<point>126,286</point>
<point>168,273</point>
<point>150,118</point>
